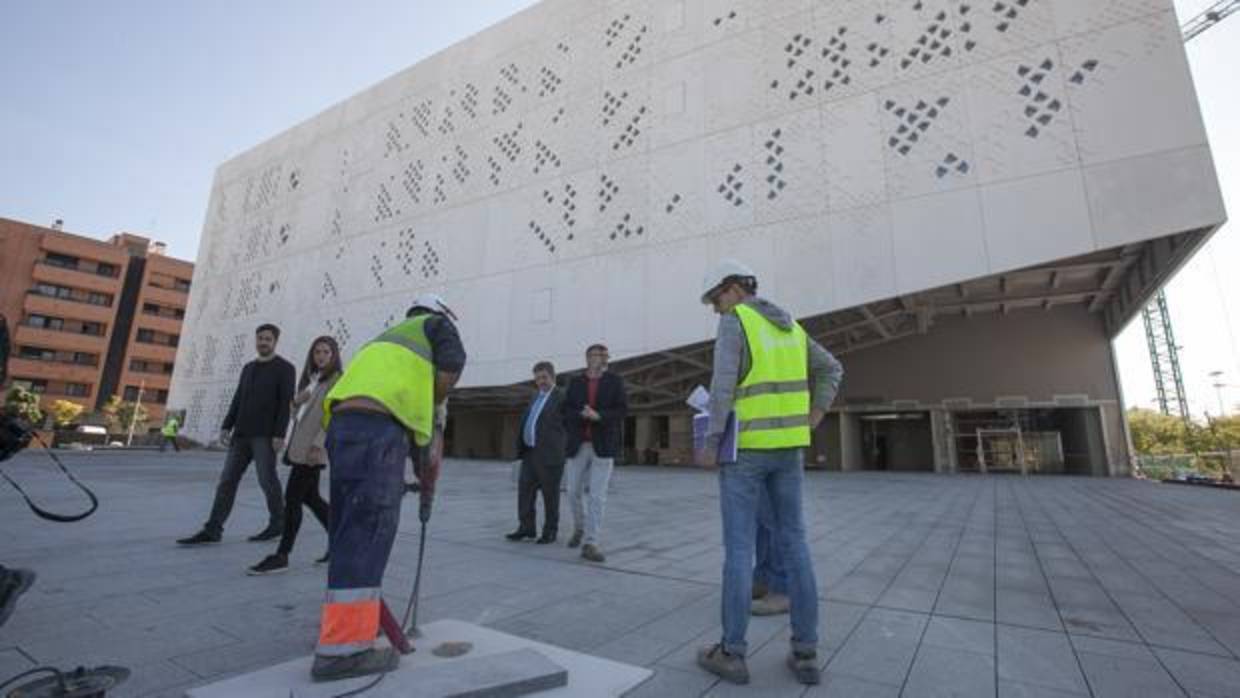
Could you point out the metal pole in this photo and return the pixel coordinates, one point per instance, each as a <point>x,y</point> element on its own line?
<point>134,417</point>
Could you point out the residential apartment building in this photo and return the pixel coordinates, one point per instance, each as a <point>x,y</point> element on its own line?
<point>89,319</point>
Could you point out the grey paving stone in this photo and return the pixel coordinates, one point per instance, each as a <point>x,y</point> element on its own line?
<point>945,672</point>
<point>1014,689</point>
<point>1202,675</point>
<point>881,648</point>
<point>673,682</point>
<point>839,686</point>
<point>959,634</point>
<point>1030,609</point>
<point>1038,658</point>
<point>1120,670</point>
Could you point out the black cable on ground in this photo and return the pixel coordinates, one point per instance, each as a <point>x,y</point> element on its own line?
<point>32,672</point>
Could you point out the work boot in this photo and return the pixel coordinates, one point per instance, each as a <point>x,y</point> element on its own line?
<point>727,666</point>
<point>805,666</point>
<point>199,538</point>
<point>519,535</point>
<point>13,583</point>
<point>770,605</point>
<point>576,539</point>
<point>270,565</point>
<point>546,538</point>
<point>327,557</point>
<point>269,533</point>
<point>372,661</point>
<point>591,552</point>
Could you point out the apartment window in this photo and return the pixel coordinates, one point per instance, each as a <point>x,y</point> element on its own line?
<point>34,385</point>
<point>45,322</point>
<point>63,261</point>
<point>150,309</point>
<point>52,290</point>
<point>85,359</point>
<point>105,269</point>
<point>77,389</point>
<point>147,336</point>
<point>181,285</point>
<point>159,397</point>
<point>93,328</point>
<point>144,366</point>
<point>99,299</point>
<point>131,393</point>
<point>36,353</point>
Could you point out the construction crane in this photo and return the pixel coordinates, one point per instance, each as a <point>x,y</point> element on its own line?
<point>1164,354</point>
<point>1209,18</point>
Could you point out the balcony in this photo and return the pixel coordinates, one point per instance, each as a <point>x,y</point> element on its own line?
<point>64,308</point>
<point>153,352</point>
<point>54,371</point>
<point>163,296</point>
<point>57,339</point>
<point>85,280</point>
<point>146,321</point>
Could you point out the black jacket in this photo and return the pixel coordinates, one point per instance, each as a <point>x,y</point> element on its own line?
<point>264,397</point>
<point>549,435</point>
<point>612,406</point>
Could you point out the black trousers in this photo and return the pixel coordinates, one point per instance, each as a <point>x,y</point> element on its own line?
<point>534,479</point>
<point>302,489</point>
<point>241,452</point>
<point>163,446</point>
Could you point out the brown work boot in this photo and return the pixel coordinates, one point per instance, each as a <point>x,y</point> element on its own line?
<point>591,552</point>
<point>729,667</point>
<point>805,666</point>
<point>372,661</point>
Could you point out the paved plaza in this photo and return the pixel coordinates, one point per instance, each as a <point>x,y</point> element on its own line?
<point>933,585</point>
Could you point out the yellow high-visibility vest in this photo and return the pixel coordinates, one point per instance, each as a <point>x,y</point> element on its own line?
<point>772,402</point>
<point>395,370</point>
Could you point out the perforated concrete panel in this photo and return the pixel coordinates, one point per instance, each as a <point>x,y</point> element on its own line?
<point>567,176</point>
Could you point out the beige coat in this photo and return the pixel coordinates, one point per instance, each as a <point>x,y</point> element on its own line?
<point>308,430</point>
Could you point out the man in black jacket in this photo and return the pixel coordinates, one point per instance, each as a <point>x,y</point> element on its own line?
<point>541,446</point>
<point>254,431</point>
<point>594,413</point>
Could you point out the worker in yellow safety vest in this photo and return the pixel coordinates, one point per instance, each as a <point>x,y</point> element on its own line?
<point>771,386</point>
<point>393,391</point>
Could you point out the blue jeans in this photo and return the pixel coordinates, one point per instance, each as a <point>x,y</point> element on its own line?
<point>742,485</point>
<point>768,569</point>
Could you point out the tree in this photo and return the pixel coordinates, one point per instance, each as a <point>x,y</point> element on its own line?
<point>65,412</point>
<point>111,415</point>
<point>24,404</point>
<point>1154,433</point>
<point>132,411</point>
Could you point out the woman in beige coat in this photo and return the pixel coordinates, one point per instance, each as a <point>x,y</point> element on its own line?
<point>305,453</point>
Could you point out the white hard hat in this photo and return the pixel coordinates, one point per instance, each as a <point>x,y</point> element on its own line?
<point>727,269</point>
<point>434,303</point>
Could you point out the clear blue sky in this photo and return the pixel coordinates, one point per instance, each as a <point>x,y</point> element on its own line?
<point>115,114</point>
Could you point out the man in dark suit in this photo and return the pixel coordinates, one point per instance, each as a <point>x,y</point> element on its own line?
<point>541,446</point>
<point>594,413</point>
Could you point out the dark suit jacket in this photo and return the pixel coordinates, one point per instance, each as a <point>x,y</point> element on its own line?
<point>548,448</point>
<point>612,406</point>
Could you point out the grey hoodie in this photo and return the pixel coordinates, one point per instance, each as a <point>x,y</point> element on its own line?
<point>732,362</point>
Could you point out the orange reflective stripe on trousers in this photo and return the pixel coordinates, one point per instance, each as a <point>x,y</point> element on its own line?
<point>350,621</point>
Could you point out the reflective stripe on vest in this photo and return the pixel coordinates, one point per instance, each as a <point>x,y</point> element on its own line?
<point>350,621</point>
<point>772,403</point>
<point>395,370</point>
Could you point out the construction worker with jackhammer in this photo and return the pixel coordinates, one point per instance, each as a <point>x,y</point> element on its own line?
<point>393,391</point>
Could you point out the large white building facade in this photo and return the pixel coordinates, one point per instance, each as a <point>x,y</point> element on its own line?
<point>966,201</point>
